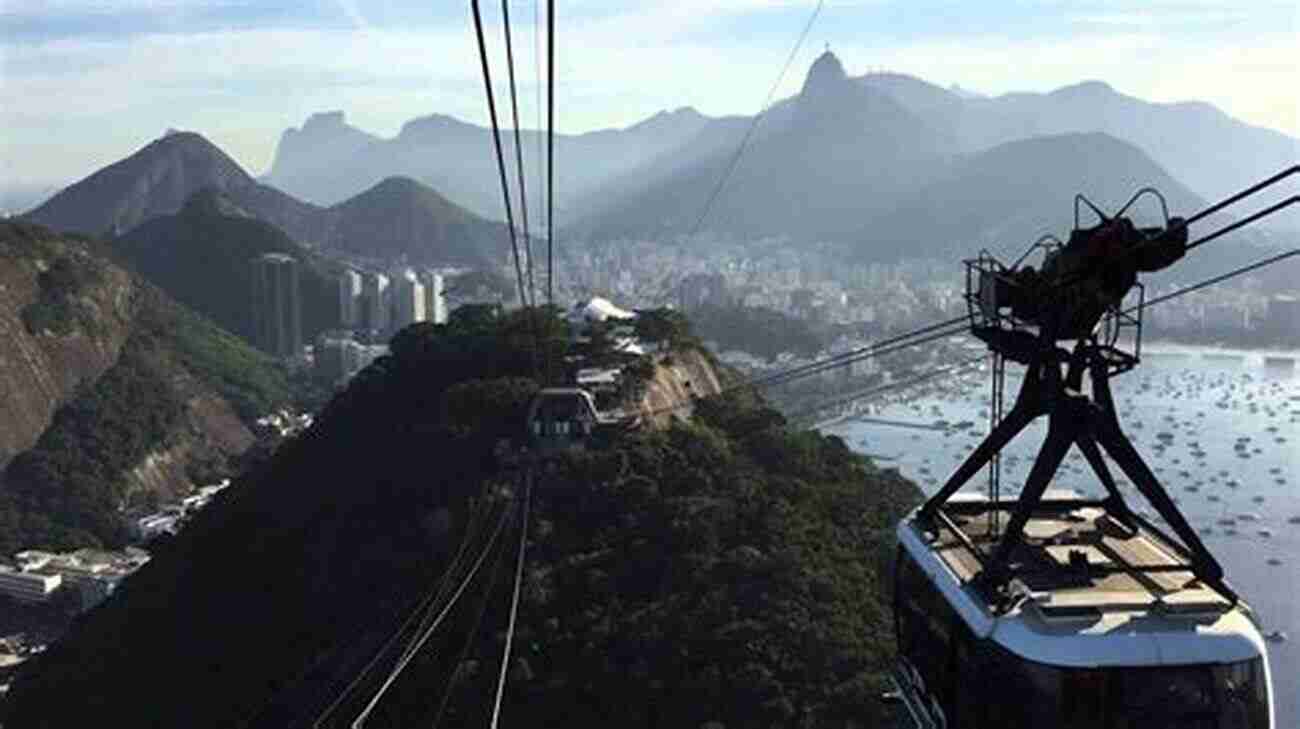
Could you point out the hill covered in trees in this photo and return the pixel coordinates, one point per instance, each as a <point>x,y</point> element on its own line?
<point>202,257</point>
<point>724,568</point>
<point>111,394</point>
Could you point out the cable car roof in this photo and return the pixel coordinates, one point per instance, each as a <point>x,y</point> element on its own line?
<point>1114,614</point>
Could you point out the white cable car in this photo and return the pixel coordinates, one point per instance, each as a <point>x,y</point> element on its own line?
<point>1056,611</point>
<point>1106,626</point>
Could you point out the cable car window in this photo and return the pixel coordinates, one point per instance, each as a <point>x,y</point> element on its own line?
<point>1243,694</point>
<point>1022,693</point>
<point>925,623</point>
<point>1167,696</point>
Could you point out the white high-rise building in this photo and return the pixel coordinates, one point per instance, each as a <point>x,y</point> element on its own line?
<point>379,302</point>
<point>435,306</point>
<point>350,299</point>
<point>408,300</point>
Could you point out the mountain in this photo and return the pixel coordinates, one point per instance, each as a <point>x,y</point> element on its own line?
<point>1212,153</point>
<point>726,569</point>
<point>200,256</point>
<point>400,217</point>
<point>395,217</point>
<point>808,194</point>
<point>328,161</point>
<point>305,158</point>
<point>1005,198</point>
<point>157,180</point>
<point>111,394</point>
<point>838,152</point>
<point>940,107</point>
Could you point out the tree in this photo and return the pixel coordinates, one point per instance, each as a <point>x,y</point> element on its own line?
<point>496,407</point>
<point>663,325</point>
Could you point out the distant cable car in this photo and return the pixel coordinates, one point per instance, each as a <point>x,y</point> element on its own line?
<point>561,417</point>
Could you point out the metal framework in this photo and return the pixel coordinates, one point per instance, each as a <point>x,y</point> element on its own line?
<point>1071,346</point>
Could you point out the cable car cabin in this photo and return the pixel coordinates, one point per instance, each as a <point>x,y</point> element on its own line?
<point>562,417</point>
<point>1106,629</point>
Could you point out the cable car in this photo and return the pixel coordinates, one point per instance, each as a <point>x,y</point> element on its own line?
<point>562,418</point>
<point>1105,626</point>
<point>1051,610</point>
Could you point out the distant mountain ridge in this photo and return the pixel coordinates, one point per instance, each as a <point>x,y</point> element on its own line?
<point>328,161</point>
<point>605,173</point>
<point>833,155</point>
<point>1005,198</point>
<point>159,179</point>
<point>1212,153</point>
<point>827,163</point>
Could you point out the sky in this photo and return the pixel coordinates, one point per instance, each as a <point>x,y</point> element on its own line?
<point>84,83</point>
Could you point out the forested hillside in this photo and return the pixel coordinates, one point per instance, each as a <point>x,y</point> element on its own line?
<point>202,258</point>
<point>723,569</point>
<point>125,396</point>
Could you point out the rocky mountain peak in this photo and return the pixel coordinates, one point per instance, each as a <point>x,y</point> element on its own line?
<point>826,75</point>
<point>325,120</point>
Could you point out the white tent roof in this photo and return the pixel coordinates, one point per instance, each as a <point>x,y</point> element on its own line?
<point>599,309</point>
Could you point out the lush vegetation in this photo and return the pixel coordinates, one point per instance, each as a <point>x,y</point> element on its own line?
<point>56,309</point>
<point>252,382</point>
<point>756,330</point>
<point>68,489</point>
<point>202,257</point>
<point>65,491</point>
<point>723,570</point>
<point>726,570</point>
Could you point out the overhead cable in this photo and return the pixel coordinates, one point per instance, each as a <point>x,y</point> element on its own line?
<point>360,721</point>
<point>469,637</point>
<point>514,600</point>
<point>422,607</point>
<point>753,124</point>
<point>519,151</point>
<point>496,141</point>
